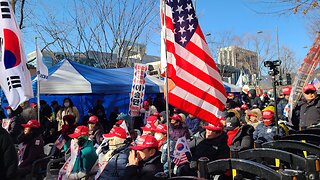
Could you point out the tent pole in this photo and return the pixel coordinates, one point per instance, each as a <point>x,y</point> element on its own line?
<point>38,83</point>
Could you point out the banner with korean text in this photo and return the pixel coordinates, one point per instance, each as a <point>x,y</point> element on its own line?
<point>138,89</point>
<point>302,78</point>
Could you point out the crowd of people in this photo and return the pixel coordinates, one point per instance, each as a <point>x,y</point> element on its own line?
<point>119,147</point>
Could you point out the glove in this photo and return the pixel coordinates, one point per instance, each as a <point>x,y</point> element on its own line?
<point>78,175</point>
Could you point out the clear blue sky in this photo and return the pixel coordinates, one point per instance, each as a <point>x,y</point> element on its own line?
<point>232,15</point>
<point>237,16</point>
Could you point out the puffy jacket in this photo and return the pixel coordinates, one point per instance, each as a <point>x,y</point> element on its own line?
<point>266,133</point>
<point>8,156</point>
<point>310,113</point>
<point>216,148</point>
<point>244,138</point>
<point>116,166</point>
<point>145,170</point>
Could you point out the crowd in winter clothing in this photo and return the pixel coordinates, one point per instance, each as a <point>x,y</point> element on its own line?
<point>124,147</point>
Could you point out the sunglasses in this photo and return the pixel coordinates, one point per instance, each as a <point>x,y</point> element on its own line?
<point>309,92</point>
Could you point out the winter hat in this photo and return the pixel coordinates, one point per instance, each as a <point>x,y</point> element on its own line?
<point>232,123</point>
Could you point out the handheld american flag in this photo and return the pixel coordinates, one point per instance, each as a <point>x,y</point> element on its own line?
<point>195,85</point>
<point>15,78</point>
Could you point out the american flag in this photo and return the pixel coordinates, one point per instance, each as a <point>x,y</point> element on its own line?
<point>195,85</point>
<point>60,142</point>
<point>181,160</point>
<point>180,150</point>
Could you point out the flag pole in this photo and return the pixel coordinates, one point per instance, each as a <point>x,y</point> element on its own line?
<point>38,82</point>
<point>167,87</point>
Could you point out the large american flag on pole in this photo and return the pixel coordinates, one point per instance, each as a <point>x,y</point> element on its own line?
<point>195,85</point>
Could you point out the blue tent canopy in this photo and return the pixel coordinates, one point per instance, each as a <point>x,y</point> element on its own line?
<point>68,77</point>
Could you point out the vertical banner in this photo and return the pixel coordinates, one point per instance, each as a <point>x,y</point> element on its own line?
<point>15,78</point>
<point>138,89</point>
<point>304,73</point>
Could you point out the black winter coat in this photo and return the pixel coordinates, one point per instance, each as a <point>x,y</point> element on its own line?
<point>310,113</point>
<point>244,138</point>
<point>8,156</point>
<point>255,101</point>
<point>145,170</point>
<point>216,148</point>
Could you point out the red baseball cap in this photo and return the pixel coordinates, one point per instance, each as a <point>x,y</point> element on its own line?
<point>267,114</point>
<point>244,106</point>
<point>145,104</point>
<point>161,128</point>
<point>309,87</point>
<point>152,119</point>
<point>119,122</point>
<point>116,132</point>
<point>7,107</point>
<point>145,141</point>
<point>176,117</point>
<point>33,105</point>
<point>251,114</point>
<point>80,131</point>
<point>93,119</point>
<point>230,94</point>
<point>212,127</point>
<point>31,124</point>
<point>157,114</point>
<point>149,127</point>
<point>286,90</point>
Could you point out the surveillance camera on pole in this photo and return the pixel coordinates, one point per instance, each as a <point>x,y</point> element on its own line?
<point>274,71</point>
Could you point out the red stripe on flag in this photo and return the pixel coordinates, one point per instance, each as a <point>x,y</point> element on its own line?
<point>199,32</point>
<point>193,109</point>
<point>196,91</point>
<point>194,71</point>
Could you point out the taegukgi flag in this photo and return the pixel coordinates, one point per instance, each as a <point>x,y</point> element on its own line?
<point>42,69</point>
<point>15,78</point>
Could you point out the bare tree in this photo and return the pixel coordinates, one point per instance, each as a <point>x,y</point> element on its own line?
<point>289,63</point>
<point>108,31</point>
<point>313,23</point>
<point>286,6</point>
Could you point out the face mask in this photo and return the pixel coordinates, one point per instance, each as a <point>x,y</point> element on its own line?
<point>158,136</point>
<point>9,111</point>
<point>267,122</point>
<point>66,104</point>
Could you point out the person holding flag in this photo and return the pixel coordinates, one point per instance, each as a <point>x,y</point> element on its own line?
<point>15,78</point>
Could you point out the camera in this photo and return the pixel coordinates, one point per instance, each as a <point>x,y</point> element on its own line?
<point>272,64</point>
